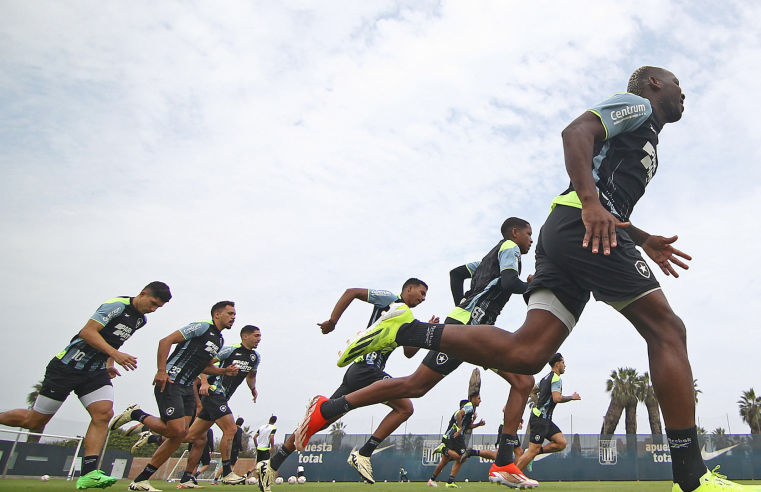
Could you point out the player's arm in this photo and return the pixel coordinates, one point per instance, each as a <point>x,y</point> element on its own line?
<point>212,370</point>
<point>343,302</point>
<point>578,147</point>
<point>510,282</point>
<point>91,334</point>
<point>660,250</point>
<point>251,382</point>
<point>457,277</point>
<point>458,419</point>
<point>112,371</point>
<point>558,398</point>
<point>272,438</point>
<point>203,388</point>
<point>165,345</point>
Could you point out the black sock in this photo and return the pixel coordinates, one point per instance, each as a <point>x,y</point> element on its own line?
<point>138,415</point>
<point>369,447</point>
<point>197,474</point>
<point>333,408</point>
<point>154,438</point>
<point>451,479</point>
<point>433,478</point>
<point>146,473</point>
<point>541,450</point>
<point>186,477</point>
<point>419,334</point>
<point>279,457</point>
<point>226,468</point>
<point>686,462</point>
<point>89,464</point>
<point>507,443</point>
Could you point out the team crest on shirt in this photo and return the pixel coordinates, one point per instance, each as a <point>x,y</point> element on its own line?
<point>642,268</point>
<point>253,358</point>
<point>441,358</point>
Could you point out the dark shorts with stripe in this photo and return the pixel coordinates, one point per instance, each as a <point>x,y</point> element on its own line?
<point>456,444</point>
<point>571,272</point>
<point>359,376</point>
<point>439,361</point>
<point>262,455</point>
<point>175,402</point>
<point>60,380</point>
<point>213,407</point>
<point>540,429</point>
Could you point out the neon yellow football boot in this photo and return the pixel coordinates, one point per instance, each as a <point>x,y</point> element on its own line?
<point>380,335</point>
<point>712,481</point>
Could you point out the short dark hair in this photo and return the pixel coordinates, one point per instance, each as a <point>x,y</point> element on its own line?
<point>555,359</point>
<point>220,306</point>
<point>638,79</point>
<point>158,289</point>
<point>512,223</point>
<point>239,421</point>
<point>464,402</point>
<point>273,419</point>
<point>248,329</point>
<point>414,281</point>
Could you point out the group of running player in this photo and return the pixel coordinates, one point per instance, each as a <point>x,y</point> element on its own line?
<point>587,245</point>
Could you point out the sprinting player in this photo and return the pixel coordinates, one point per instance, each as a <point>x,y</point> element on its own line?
<point>215,395</point>
<point>197,344</point>
<point>363,372</point>
<point>541,424</point>
<point>403,475</point>
<point>453,441</point>
<point>86,367</point>
<point>610,155</point>
<point>495,279</point>
<point>492,455</point>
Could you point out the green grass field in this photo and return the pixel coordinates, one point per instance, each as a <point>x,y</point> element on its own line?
<point>61,485</point>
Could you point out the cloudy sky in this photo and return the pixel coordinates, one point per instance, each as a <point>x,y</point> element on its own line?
<point>277,153</point>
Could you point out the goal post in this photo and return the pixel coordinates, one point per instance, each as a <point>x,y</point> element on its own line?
<point>18,433</point>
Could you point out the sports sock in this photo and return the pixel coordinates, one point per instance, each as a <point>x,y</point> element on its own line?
<point>146,473</point>
<point>333,408</point>
<point>279,457</point>
<point>451,479</point>
<point>186,477</point>
<point>89,464</point>
<point>433,478</point>
<point>541,450</point>
<point>686,462</point>
<point>419,334</point>
<point>138,415</point>
<point>507,443</point>
<point>369,447</point>
<point>226,468</point>
<point>154,438</point>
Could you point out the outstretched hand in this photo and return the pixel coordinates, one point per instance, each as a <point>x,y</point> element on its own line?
<point>327,326</point>
<point>600,228</point>
<point>127,361</point>
<point>660,250</point>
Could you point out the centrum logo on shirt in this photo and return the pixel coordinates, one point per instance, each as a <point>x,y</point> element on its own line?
<point>628,112</point>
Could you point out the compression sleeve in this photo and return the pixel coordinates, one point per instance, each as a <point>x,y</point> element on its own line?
<point>457,278</point>
<point>510,282</point>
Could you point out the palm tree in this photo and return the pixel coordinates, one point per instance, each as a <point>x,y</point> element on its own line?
<point>750,410</point>
<point>31,399</point>
<point>647,396</point>
<point>624,385</point>
<point>695,386</point>
<point>337,433</point>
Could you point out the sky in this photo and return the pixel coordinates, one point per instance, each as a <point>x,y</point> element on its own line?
<point>278,153</point>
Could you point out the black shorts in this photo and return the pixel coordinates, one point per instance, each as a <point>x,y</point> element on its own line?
<point>214,407</point>
<point>359,376</point>
<point>439,361</point>
<point>262,455</point>
<point>175,402</point>
<point>456,444</point>
<point>60,380</point>
<point>572,272</point>
<point>540,429</point>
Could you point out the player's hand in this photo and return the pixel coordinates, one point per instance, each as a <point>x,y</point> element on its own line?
<point>600,228</point>
<point>575,396</point>
<point>660,250</point>
<point>160,379</point>
<point>204,389</point>
<point>113,372</point>
<point>481,423</point>
<point>434,319</point>
<point>254,393</point>
<point>230,370</point>
<point>530,278</point>
<point>327,326</point>
<point>127,361</point>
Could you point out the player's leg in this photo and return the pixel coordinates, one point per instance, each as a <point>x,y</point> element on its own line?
<point>30,419</point>
<point>56,386</point>
<point>439,468</point>
<point>531,452</point>
<point>196,432</point>
<point>227,424</point>
<point>520,388</point>
<point>671,374</point>
<point>100,412</point>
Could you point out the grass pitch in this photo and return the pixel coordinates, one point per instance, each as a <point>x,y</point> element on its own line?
<point>62,485</point>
